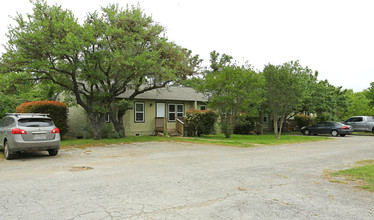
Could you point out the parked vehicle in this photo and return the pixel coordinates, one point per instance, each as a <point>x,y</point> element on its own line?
<point>361,123</point>
<point>21,132</point>
<point>328,127</point>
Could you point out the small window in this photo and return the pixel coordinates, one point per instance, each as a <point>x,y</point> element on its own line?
<point>180,110</point>
<point>202,107</point>
<point>139,112</point>
<point>171,112</point>
<point>359,119</point>
<point>175,111</point>
<point>265,119</point>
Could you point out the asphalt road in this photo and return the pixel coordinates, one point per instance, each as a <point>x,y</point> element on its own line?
<point>170,180</point>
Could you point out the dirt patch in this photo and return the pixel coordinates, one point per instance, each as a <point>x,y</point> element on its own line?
<point>80,168</point>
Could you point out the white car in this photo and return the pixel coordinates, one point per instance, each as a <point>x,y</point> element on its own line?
<point>20,132</point>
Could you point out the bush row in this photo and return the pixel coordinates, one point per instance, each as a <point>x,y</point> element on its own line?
<point>200,122</point>
<point>56,110</point>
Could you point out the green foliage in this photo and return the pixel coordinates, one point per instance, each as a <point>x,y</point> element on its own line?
<point>369,93</point>
<point>231,89</point>
<point>112,51</point>
<point>16,89</point>
<point>358,104</point>
<point>303,120</point>
<point>286,89</point>
<point>109,132</point>
<point>325,99</point>
<point>244,124</point>
<point>200,122</point>
<point>325,116</point>
<point>56,110</point>
<point>227,128</point>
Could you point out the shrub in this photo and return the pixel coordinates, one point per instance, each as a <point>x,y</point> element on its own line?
<point>244,124</point>
<point>200,122</point>
<point>303,120</point>
<point>56,110</point>
<point>109,132</point>
<point>325,117</point>
<point>226,128</point>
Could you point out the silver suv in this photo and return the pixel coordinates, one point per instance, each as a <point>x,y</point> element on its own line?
<point>21,132</point>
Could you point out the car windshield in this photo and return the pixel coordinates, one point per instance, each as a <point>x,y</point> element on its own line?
<point>35,122</point>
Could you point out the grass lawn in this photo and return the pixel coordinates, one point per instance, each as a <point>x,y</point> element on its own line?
<point>235,140</point>
<point>362,175</point>
<point>253,140</point>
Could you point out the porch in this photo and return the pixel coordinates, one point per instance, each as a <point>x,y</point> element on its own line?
<point>162,126</point>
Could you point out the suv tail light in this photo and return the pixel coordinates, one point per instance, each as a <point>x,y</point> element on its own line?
<point>344,127</point>
<point>18,131</point>
<point>56,130</point>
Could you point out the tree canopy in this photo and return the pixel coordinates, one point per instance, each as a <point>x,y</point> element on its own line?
<point>112,51</point>
<point>286,89</point>
<point>232,89</point>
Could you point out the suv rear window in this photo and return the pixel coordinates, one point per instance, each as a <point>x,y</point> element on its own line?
<point>35,122</point>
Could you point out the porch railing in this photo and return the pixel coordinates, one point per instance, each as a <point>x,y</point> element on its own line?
<point>160,124</point>
<point>180,126</point>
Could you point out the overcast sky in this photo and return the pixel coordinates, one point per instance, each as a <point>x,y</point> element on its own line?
<point>334,37</point>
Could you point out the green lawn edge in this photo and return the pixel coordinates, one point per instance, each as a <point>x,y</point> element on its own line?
<point>361,175</point>
<point>235,140</point>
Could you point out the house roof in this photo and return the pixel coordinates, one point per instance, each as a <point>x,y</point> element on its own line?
<point>176,93</point>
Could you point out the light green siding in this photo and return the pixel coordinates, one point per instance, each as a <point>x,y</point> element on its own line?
<point>79,123</point>
<point>147,127</point>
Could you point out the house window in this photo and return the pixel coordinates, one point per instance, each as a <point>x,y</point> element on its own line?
<point>175,111</point>
<point>107,118</point>
<point>265,119</point>
<point>202,107</point>
<point>139,111</point>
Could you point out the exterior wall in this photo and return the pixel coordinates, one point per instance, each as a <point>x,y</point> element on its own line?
<point>79,123</point>
<point>148,127</point>
<point>76,121</point>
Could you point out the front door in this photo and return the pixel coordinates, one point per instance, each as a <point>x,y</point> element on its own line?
<point>160,110</point>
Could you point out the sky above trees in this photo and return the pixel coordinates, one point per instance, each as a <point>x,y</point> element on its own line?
<point>333,37</point>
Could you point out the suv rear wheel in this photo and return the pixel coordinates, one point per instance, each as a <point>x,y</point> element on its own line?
<point>53,152</point>
<point>7,153</point>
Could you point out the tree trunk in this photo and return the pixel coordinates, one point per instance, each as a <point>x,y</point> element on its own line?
<point>117,120</point>
<point>275,124</point>
<point>280,127</point>
<point>97,121</point>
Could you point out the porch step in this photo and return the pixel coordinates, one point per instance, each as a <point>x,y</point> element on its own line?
<point>171,133</point>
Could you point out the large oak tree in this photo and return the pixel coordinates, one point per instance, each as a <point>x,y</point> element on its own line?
<point>112,51</point>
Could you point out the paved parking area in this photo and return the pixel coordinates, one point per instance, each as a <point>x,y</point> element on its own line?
<point>171,180</point>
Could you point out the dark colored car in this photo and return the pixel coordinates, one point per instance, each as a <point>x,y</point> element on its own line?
<point>328,127</point>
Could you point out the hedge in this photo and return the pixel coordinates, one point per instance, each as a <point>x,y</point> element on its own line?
<point>200,122</point>
<point>303,120</point>
<point>56,110</point>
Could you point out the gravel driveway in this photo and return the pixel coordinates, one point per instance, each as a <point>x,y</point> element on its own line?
<point>171,180</point>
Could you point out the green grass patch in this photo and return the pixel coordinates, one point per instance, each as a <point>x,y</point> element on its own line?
<point>254,140</point>
<point>362,175</point>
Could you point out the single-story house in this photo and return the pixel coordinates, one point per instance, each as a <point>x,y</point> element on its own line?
<point>154,111</point>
